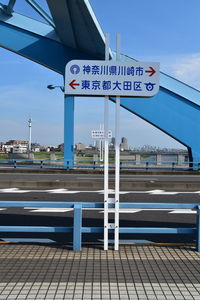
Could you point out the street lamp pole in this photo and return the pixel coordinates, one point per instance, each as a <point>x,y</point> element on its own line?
<point>30,127</point>
<point>52,87</point>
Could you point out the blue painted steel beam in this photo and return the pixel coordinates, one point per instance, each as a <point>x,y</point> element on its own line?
<point>153,230</point>
<point>131,205</point>
<point>198,229</point>
<point>35,229</point>
<point>157,230</point>
<point>77,26</point>
<point>78,230</point>
<point>36,41</point>
<point>41,12</point>
<point>8,9</point>
<point>68,132</point>
<point>155,205</point>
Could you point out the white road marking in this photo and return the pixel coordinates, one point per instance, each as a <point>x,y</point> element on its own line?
<point>102,191</point>
<point>123,211</point>
<point>14,190</point>
<point>89,208</point>
<point>53,210</point>
<point>62,191</point>
<point>111,191</point>
<point>111,210</point>
<point>161,192</point>
<point>158,209</point>
<point>183,211</point>
<point>167,193</point>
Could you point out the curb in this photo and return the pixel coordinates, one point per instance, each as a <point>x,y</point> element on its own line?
<point>98,171</point>
<point>98,185</point>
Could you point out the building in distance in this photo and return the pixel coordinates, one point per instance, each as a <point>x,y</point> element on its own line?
<point>15,146</point>
<point>124,144</point>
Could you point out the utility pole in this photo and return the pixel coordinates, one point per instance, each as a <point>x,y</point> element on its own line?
<point>29,125</point>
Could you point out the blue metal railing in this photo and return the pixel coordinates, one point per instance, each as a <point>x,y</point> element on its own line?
<point>95,165</point>
<point>77,229</point>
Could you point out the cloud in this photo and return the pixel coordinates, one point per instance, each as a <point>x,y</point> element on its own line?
<point>187,69</point>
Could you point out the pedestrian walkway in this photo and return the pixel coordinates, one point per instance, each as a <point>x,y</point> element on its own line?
<point>49,271</point>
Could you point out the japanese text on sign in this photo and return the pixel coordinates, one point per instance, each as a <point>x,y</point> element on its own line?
<point>112,70</point>
<point>112,78</point>
<point>99,134</point>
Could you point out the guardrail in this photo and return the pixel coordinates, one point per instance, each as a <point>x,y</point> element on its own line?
<point>90,164</point>
<point>78,229</point>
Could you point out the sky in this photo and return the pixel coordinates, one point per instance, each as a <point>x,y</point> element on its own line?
<point>163,31</point>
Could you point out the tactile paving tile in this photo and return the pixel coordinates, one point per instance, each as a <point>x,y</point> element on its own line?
<point>41,271</point>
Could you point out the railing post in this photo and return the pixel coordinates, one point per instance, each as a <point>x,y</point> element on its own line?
<point>198,229</point>
<point>147,165</point>
<point>94,163</point>
<point>66,165</point>
<point>15,164</point>
<point>41,164</point>
<point>69,132</point>
<point>173,166</point>
<point>77,229</point>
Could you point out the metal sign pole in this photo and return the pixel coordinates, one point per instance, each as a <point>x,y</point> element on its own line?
<point>117,154</point>
<point>101,144</point>
<point>106,154</point>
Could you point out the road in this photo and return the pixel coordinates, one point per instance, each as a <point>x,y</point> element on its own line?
<point>59,217</point>
<point>95,181</point>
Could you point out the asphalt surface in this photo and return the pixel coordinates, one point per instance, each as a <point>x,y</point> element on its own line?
<point>95,181</point>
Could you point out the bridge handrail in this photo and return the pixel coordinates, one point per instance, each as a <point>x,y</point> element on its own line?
<point>92,164</point>
<point>78,229</point>
<point>130,205</point>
